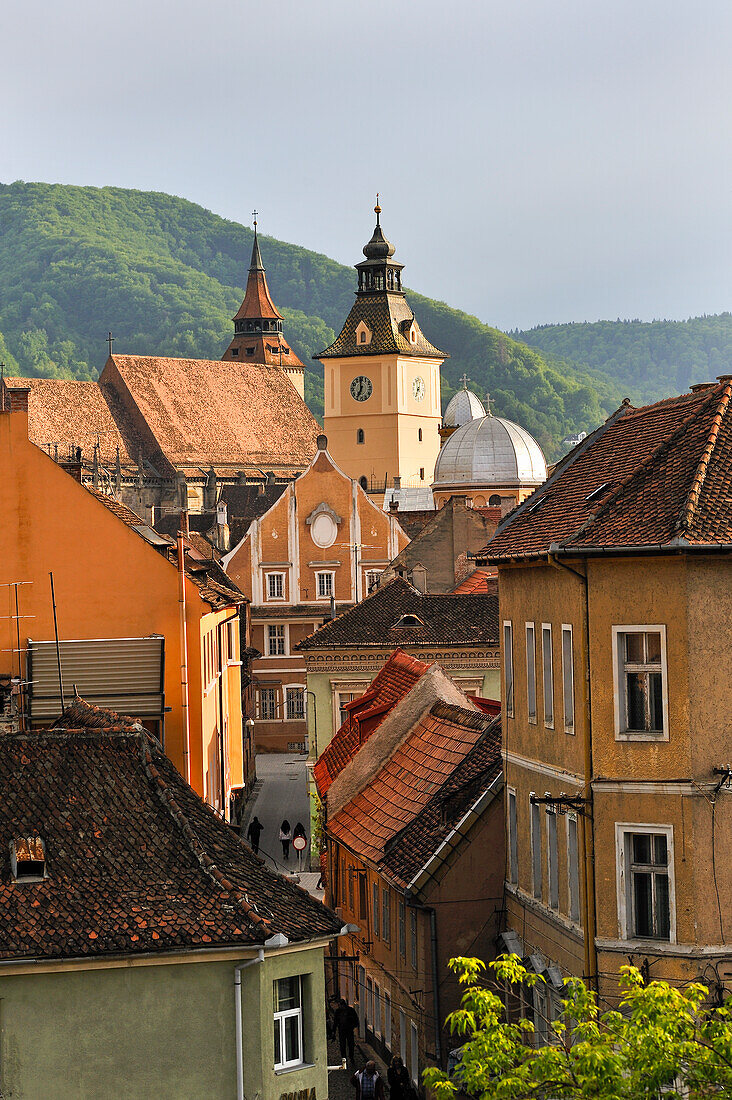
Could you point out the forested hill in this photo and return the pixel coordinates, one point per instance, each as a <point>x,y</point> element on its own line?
<point>649,359</point>
<point>166,276</point>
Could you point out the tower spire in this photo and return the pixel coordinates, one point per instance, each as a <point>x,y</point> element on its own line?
<point>256,260</point>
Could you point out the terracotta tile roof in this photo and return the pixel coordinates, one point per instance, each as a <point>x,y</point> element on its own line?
<point>443,620</point>
<point>408,851</point>
<point>136,862</point>
<point>421,765</point>
<point>365,714</point>
<point>482,582</point>
<point>659,476</point>
<point>87,716</point>
<point>389,317</point>
<point>202,412</point>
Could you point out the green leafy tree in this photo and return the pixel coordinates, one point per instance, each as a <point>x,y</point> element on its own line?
<point>663,1043</point>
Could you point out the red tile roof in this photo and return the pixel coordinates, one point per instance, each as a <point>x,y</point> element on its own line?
<point>421,765</point>
<point>137,863</point>
<point>395,680</point>
<point>655,477</point>
<point>482,582</point>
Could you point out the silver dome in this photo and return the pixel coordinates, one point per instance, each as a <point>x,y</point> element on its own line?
<point>490,452</point>
<point>463,407</point>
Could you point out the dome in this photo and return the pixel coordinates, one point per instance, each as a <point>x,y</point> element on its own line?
<point>490,452</point>
<point>464,406</point>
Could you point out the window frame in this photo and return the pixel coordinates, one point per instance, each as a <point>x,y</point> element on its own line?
<point>531,672</point>
<point>402,927</point>
<point>619,698</point>
<point>386,914</point>
<point>414,1048</point>
<point>552,857</point>
<point>386,1035</point>
<point>573,872</point>
<point>281,1016</point>
<point>292,690</point>
<point>512,829</point>
<point>271,576</point>
<point>278,637</point>
<point>269,688</point>
<point>375,909</point>
<point>413,953</point>
<point>624,830</point>
<point>546,631</point>
<point>325,573</point>
<point>569,727</point>
<point>509,678</point>
<point>537,874</point>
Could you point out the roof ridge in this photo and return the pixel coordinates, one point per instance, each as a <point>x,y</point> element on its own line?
<point>639,470</point>
<point>692,498</point>
<point>206,864</point>
<point>454,712</point>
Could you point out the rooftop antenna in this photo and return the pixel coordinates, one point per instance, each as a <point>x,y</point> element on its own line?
<point>110,341</point>
<point>58,648</point>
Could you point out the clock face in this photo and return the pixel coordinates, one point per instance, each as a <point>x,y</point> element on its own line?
<point>418,388</point>
<point>361,388</point>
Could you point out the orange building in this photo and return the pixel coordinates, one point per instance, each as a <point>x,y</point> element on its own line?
<point>322,543</point>
<point>121,605</point>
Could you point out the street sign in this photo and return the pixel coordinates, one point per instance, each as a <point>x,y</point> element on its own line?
<point>299,843</point>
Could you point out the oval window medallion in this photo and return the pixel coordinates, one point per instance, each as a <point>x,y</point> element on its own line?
<point>323,530</point>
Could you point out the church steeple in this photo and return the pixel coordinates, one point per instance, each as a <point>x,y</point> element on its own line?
<point>258,336</point>
<point>379,272</point>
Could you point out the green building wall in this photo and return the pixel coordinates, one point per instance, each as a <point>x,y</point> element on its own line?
<point>159,1032</point>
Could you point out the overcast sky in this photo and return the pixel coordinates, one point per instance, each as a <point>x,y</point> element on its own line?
<point>538,160</point>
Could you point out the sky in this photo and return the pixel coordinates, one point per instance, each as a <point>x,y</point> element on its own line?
<point>538,161</point>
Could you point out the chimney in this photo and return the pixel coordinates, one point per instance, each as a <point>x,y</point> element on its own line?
<point>72,463</point>
<point>393,505</point>
<point>397,481</point>
<point>17,397</point>
<point>185,529</point>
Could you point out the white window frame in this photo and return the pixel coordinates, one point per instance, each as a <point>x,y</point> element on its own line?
<point>512,827</point>
<point>403,1035</point>
<point>377,1011</point>
<point>260,690</point>
<point>324,573</point>
<point>387,1019</point>
<point>281,575</point>
<point>370,1002</point>
<point>509,681</point>
<point>414,1052</point>
<point>291,688</point>
<point>569,727</point>
<point>285,639</point>
<point>536,864</point>
<point>281,1017</point>
<point>546,628</point>
<point>574,900</point>
<point>623,830</point>
<point>530,671</point>
<point>618,634</point>
<point>371,576</point>
<point>552,857</point>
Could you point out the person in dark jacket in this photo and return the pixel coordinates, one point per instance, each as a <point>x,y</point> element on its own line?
<point>346,1022</point>
<point>254,832</point>
<point>400,1085</point>
<point>285,837</point>
<point>369,1085</point>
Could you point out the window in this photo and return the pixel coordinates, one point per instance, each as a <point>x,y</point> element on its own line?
<point>343,698</point>
<point>325,585</point>
<point>275,640</point>
<point>414,1053</point>
<point>372,579</point>
<point>421,473</point>
<point>275,586</point>
<point>403,1036</point>
<point>288,1050</point>
<point>267,704</point>
<point>351,873</point>
<point>362,337</point>
<point>360,437</point>
<point>377,1010</point>
<point>512,839</point>
<point>386,915</point>
<point>639,660</point>
<point>508,666</point>
<point>413,937</point>
<point>646,906</point>
<point>402,929</point>
<point>531,671</point>
<point>552,855</point>
<point>363,897</point>
<point>375,907</point>
<point>363,482</point>
<point>568,679</point>
<point>419,434</point>
<point>494,501</point>
<point>387,1019</point>
<point>535,850</point>
<point>295,702</point>
<point>234,351</point>
<point>232,649</point>
<point>573,868</point>
<point>370,1003</point>
<point>547,674</point>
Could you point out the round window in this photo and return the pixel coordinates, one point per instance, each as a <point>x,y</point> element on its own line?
<point>323,530</point>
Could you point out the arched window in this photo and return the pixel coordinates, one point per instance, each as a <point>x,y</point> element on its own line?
<point>494,501</point>
<point>420,435</point>
<point>362,336</point>
<point>360,438</point>
<point>363,482</point>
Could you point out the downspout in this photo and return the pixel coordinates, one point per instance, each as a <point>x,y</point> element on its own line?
<point>225,756</point>
<point>435,987</point>
<point>184,650</point>
<point>589,914</point>
<point>238,1018</point>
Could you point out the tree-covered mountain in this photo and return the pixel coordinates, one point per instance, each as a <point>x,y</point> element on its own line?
<point>649,359</point>
<point>166,277</point>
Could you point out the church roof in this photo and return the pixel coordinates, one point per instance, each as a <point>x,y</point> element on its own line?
<point>463,407</point>
<point>389,316</point>
<point>257,300</point>
<point>488,452</point>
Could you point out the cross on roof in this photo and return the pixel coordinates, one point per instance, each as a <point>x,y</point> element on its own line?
<point>255,214</point>
<point>110,341</point>
<point>465,381</point>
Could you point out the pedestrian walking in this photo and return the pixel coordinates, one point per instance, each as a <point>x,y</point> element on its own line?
<point>400,1085</point>
<point>285,837</point>
<point>369,1085</point>
<point>254,832</point>
<point>346,1022</point>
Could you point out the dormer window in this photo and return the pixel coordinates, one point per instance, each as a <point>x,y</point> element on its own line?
<point>408,620</point>
<point>363,333</point>
<point>28,859</point>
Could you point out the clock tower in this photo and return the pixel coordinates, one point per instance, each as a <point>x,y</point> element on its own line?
<point>382,381</point>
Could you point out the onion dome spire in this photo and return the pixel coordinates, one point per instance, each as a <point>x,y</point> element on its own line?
<point>378,272</point>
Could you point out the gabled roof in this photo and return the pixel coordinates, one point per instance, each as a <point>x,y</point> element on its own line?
<point>365,714</point>
<point>420,766</point>
<point>137,863</point>
<point>658,477</point>
<point>481,582</point>
<point>443,620</point>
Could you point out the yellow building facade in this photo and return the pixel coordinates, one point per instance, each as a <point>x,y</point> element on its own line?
<point>382,382</point>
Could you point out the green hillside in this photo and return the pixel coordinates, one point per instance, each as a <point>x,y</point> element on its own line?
<point>649,359</point>
<point>166,276</point>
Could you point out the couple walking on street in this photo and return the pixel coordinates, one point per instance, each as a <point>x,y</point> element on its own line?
<point>286,836</point>
<point>368,1082</point>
